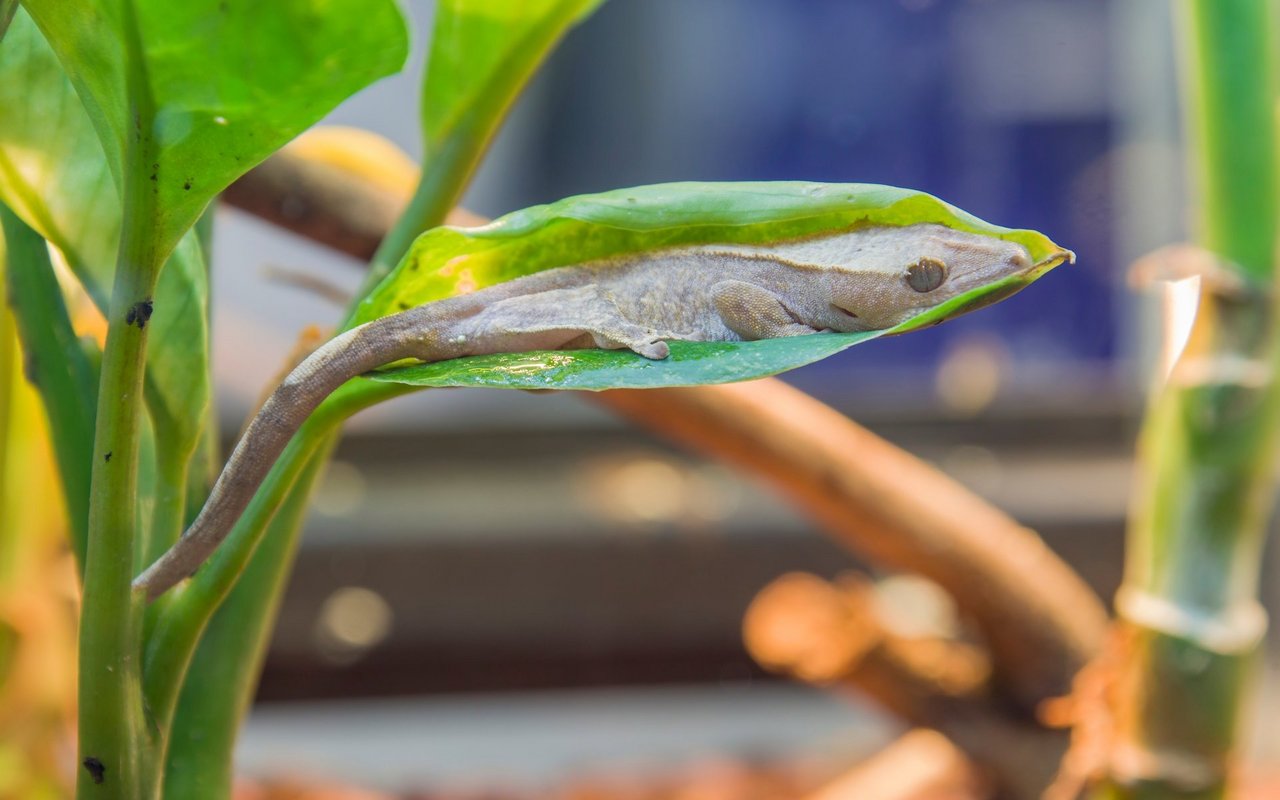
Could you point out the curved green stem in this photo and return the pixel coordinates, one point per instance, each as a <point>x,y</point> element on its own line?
<point>177,631</point>
<point>231,652</point>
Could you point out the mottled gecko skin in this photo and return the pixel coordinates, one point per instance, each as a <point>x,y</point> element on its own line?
<point>869,278</point>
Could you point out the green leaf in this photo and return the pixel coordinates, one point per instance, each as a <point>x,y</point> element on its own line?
<point>55,365</point>
<point>196,93</point>
<point>448,261</point>
<point>7,9</point>
<point>178,382</point>
<point>54,175</point>
<point>52,171</point>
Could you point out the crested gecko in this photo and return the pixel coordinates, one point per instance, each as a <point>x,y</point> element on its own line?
<point>866,278</point>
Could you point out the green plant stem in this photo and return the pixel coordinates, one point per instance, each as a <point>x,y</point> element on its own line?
<point>231,652</point>
<point>1230,90</point>
<point>111,721</point>
<point>439,188</point>
<point>114,743</point>
<point>1189,609</point>
<point>452,153</point>
<point>168,512</point>
<point>182,622</point>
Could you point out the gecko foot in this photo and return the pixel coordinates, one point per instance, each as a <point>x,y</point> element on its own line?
<point>643,341</point>
<point>656,349</point>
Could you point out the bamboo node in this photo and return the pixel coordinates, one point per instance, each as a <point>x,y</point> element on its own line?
<point>1185,770</point>
<point>1220,369</point>
<point>1233,630</point>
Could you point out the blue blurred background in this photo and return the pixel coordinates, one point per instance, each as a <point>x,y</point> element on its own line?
<point>1056,115</point>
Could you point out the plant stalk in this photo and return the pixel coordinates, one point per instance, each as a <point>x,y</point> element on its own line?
<point>265,535</point>
<point>1190,619</point>
<point>231,651</point>
<point>112,733</point>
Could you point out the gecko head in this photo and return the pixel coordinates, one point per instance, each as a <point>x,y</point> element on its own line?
<point>900,272</point>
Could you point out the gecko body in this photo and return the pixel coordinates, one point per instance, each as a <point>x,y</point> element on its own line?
<point>867,278</point>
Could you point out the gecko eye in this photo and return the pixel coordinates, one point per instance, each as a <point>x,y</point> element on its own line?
<point>926,274</point>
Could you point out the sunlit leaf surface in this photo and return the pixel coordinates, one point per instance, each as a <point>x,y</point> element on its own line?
<point>206,89</point>
<point>53,174</point>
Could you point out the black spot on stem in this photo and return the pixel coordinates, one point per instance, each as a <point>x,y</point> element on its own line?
<point>140,313</point>
<point>97,770</point>
<point>107,458</point>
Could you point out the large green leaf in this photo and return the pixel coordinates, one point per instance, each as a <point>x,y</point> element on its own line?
<point>448,261</point>
<point>196,93</point>
<point>52,171</point>
<point>54,175</point>
<point>55,365</point>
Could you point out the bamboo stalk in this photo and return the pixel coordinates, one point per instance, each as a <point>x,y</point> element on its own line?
<point>1189,610</point>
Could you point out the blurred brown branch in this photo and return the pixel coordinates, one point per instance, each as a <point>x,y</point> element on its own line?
<point>1041,622</point>
<point>831,635</point>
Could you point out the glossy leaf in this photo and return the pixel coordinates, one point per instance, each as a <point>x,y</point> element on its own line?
<point>54,175</point>
<point>203,90</point>
<point>178,380</point>
<point>448,261</point>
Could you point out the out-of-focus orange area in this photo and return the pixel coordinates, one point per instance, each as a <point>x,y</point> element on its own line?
<point>37,600</point>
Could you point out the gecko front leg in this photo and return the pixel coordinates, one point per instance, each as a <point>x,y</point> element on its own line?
<point>754,312</point>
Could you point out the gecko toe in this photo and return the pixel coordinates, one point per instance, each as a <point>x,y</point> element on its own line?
<point>656,349</point>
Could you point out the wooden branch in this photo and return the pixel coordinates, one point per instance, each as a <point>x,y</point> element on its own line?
<point>830,635</point>
<point>1039,619</point>
<point>324,203</point>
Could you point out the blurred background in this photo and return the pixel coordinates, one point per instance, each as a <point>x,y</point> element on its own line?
<point>553,617</point>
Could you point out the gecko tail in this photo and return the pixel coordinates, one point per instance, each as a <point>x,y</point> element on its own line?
<point>337,361</point>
